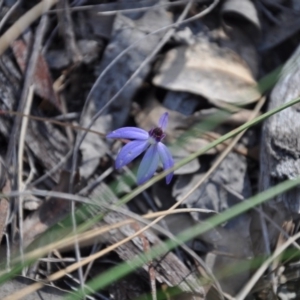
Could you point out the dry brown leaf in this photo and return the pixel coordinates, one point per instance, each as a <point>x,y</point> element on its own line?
<point>242,15</point>
<point>205,69</point>
<point>42,77</point>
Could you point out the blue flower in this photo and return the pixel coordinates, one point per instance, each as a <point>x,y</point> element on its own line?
<point>142,141</point>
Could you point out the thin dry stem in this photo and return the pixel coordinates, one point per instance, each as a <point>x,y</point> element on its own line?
<point>24,22</point>
<point>20,163</point>
<point>9,13</point>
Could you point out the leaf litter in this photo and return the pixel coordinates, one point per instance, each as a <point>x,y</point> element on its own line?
<point>211,63</point>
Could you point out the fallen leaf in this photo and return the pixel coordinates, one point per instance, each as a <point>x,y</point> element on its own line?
<point>241,14</point>
<point>205,69</point>
<point>41,78</point>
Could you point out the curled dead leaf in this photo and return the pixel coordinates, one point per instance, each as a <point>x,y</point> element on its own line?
<point>217,74</point>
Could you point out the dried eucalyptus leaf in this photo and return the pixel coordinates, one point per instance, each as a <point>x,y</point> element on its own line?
<point>205,69</point>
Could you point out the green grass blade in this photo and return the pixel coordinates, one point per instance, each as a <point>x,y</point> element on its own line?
<point>125,268</point>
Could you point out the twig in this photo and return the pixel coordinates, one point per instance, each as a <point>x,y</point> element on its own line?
<point>9,13</point>
<point>96,247</point>
<point>12,144</point>
<point>53,121</point>
<point>33,170</point>
<point>19,26</point>
<point>23,130</point>
<point>110,12</point>
<point>86,200</point>
<point>27,82</point>
<point>46,193</point>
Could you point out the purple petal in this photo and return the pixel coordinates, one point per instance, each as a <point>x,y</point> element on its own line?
<point>148,165</point>
<point>130,151</point>
<point>166,159</point>
<point>131,133</point>
<point>163,121</point>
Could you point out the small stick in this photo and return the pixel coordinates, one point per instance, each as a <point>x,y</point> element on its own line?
<point>20,165</point>
<point>56,122</point>
<point>25,21</point>
<point>9,13</point>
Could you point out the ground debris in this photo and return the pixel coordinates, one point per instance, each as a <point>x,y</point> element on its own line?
<point>83,69</point>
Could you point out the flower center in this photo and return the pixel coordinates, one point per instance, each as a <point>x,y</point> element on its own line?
<point>157,134</point>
